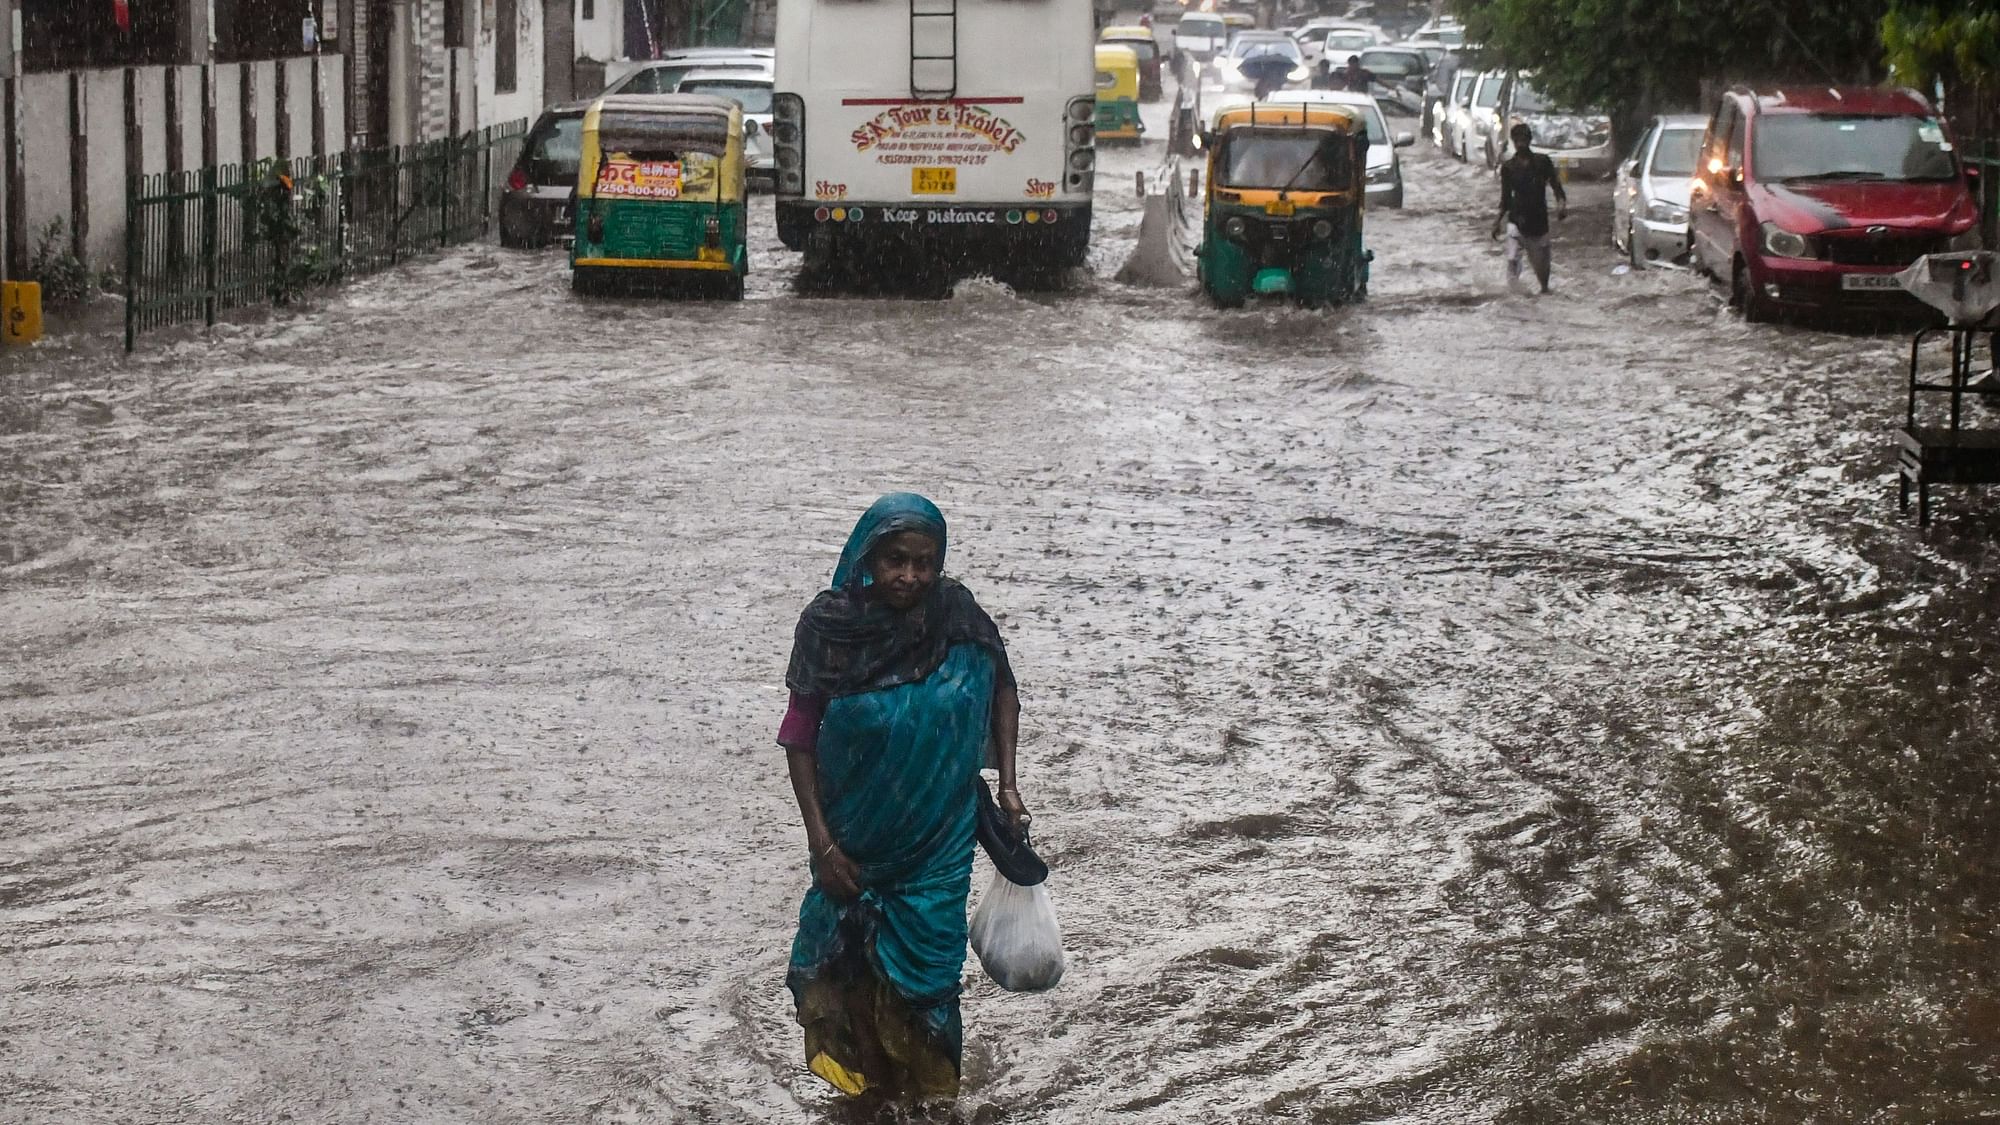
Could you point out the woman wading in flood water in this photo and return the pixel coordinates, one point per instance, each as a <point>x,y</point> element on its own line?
<point>899,683</point>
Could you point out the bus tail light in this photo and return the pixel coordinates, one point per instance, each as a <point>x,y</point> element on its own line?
<point>788,144</point>
<point>1080,144</point>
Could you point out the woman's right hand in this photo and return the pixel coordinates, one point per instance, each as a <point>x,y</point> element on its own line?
<point>839,875</point>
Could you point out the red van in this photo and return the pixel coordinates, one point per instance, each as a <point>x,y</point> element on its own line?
<point>1814,198</point>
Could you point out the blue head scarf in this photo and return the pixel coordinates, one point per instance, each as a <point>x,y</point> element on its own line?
<point>848,643</point>
<point>892,514</point>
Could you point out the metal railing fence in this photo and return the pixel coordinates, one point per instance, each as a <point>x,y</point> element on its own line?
<point>237,235</point>
<point>1986,157</point>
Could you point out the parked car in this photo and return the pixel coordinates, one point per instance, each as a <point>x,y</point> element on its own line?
<point>535,200</point>
<point>1323,38</point>
<point>1399,76</point>
<point>1445,30</point>
<point>663,75</point>
<point>1649,207</point>
<point>1454,118</point>
<point>1147,50</point>
<point>1434,50</point>
<point>1200,36</point>
<point>752,91</point>
<point>1577,140</point>
<point>1815,197</point>
<point>1385,164</point>
<point>1482,136</point>
<point>1248,45</point>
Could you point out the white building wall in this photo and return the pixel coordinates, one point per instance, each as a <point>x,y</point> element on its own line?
<point>45,137</point>
<point>104,124</point>
<point>603,37</point>
<point>45,144</point>
<point>497,107</point>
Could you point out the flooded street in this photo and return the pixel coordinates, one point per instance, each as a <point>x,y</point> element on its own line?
<point>1462,707</point>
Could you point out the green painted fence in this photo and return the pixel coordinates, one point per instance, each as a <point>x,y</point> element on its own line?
<point>234,236</point>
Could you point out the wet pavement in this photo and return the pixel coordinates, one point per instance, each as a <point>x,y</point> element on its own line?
<point>1462,707</point>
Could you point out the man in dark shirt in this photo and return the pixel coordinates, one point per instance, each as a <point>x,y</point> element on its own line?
<point>1525,181</point>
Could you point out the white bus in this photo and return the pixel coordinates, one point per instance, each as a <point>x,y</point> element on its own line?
<point>946,133</point>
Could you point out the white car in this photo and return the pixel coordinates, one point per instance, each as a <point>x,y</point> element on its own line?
<point>1454,117</point>
<point>1445,30</point>
<point>752,91</point>
<point>662,75</point>
<point>1482,137</point>
<point>1385,164</point>
<point>1649,207</point>
<point>1200,36</point>
<point>1336,39</point>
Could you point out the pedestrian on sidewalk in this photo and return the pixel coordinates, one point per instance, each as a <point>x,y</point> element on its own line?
<point>1525,182</point>
<point>900,689</point>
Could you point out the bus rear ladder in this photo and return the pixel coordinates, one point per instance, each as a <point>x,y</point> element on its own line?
<point>934,49</point>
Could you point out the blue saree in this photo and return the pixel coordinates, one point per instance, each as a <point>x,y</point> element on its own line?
<point>876,980</point>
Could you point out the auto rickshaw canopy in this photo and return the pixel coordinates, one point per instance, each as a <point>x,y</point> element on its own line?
<point>1117,72</point>
<point>1285,180</point>
<point>1276,113</point>
<point>656,130</point>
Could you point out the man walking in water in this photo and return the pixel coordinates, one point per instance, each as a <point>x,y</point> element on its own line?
<point>1525,181</point>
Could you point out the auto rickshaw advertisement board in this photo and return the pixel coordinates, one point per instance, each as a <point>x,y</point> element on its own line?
<point>621,176</point>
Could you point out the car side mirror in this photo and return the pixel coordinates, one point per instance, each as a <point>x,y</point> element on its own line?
<point>1972,175</point>
<point>1404,140</point>
<point>1632,169</point>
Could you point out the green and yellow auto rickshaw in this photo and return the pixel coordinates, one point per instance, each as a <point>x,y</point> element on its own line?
<point>1283,204</point>
<point>659,193</point>
<point>1118,94</point>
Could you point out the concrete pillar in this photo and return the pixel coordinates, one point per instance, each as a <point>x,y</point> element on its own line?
<point>197,31</point>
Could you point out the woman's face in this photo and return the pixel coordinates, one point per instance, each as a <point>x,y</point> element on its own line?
<point>904,566</point>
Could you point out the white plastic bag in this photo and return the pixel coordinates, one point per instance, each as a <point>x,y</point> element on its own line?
<point>1015,934</point>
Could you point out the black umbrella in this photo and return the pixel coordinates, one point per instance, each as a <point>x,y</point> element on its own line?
<point>1270,70</point>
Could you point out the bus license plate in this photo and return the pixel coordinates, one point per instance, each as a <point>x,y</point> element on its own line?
<point>933,181</point>
<point>1869,281</point>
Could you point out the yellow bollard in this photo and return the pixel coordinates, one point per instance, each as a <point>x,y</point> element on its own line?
<point>20,311</point>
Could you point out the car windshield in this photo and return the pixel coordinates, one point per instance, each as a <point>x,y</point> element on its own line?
<point>1449,36</point>
<point>557,149</point>
<point>1392,63</point>
<point>1788,146</point>
<point>754,97</point>
<point>1527,99</point>
<point>1200,25</point>
<point>1489,93</point>
<point>1675,154</point>
<point>1297,160</point>
<point>1348,40</point>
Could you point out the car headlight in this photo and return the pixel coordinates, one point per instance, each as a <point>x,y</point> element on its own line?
<point>1299,74</point>
<point>1660,211</point>
<point>1967,239</point>
<point>1382,175</point>
<point>1784,243</point>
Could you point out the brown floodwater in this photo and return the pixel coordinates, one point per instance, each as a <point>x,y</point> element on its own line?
<point>1465,707</point>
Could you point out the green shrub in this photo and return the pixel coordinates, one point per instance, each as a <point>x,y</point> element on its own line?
<point>63,276</point>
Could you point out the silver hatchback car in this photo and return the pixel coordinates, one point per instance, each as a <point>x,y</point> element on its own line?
<point>1649,207</point>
